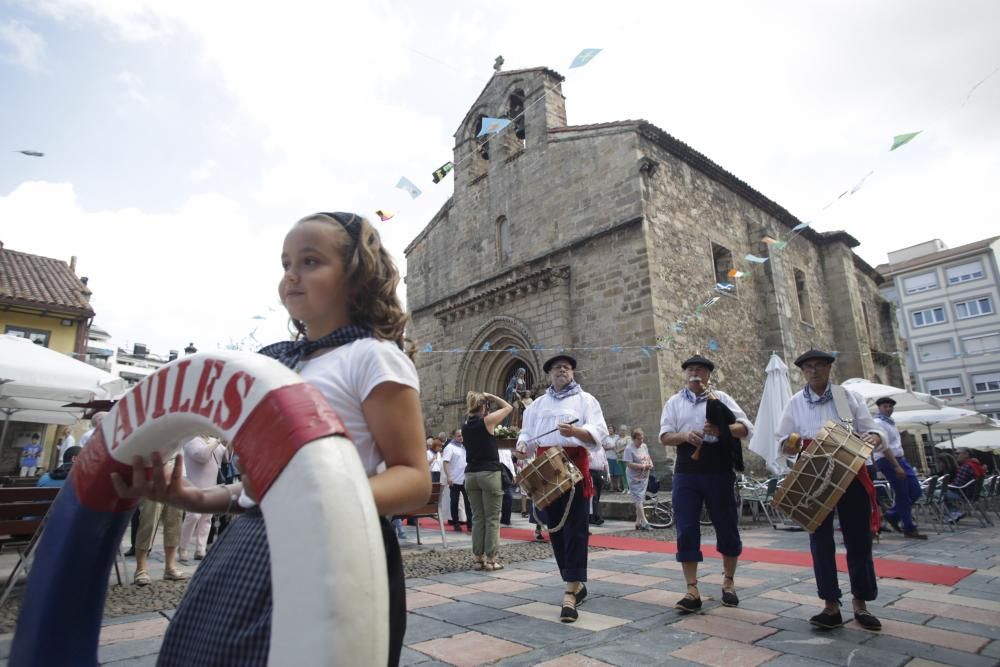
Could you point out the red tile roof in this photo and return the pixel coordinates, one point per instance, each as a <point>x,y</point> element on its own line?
<point>45,283</point>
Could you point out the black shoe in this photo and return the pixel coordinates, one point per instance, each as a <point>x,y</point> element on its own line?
<point>539,536</point>
<point>568,615</point>
<point>828,620</point>
<point>599,522</point>
<point>581,594</point>
<point>130,552</point>
<point>730,599</point>
<point>458,528</point>
<point>867,621</point>
<point>689,605</point>
<point>895,524</point>
<point>914,534</point>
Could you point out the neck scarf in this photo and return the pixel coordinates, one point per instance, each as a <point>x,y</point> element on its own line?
<point>814,400</point>
<point>887,420</point>
<point>292,352</point>
<point>572,389</point>
<point>690,395</point>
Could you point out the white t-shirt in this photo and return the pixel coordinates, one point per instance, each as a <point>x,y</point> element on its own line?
<point>347,374</point>
<point>201,461</point>
<point>434,460</point>
<point>455,456</point>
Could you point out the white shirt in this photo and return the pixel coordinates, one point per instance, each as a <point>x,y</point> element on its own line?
<point>85,438</point>
<point>67,442</point>
<point>434,460</point>
<point>201,461</point>
<point>679,414</point>
<point>598,460</point>
<point>806,419</point>
<point>346,376</point>
<point>610,445</point>
<point>454,456</point>
<point>507,459</point>
<point>891,439</point>
<point>546,413</point>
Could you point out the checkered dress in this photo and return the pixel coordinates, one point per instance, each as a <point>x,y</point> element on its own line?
<point>224,619</point>
<point>225,616</point>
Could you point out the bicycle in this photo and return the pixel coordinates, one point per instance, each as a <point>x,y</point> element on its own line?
<point>659,513</point>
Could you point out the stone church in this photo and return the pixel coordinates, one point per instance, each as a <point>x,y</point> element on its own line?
<point>599,239</point>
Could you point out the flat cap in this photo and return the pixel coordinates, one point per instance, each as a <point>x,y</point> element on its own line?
<point>814,354</point>
<point>700,360</point>
<point>885,399</point>
<point>547,366</point>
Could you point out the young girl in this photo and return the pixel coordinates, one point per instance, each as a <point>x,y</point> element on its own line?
<point>339,287</point>
<point>638,464</point>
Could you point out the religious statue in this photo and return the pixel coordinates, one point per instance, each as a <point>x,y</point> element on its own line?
<point>518,394</point>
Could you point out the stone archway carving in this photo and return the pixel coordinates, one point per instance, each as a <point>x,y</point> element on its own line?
<point>487,371</point>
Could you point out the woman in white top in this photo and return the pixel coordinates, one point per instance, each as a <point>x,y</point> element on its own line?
<point>637,467</point>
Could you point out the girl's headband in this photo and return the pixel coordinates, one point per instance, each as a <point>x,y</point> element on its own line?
<point>351,224</point>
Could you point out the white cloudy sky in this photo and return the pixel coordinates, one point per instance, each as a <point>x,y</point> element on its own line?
<point>183,137</point>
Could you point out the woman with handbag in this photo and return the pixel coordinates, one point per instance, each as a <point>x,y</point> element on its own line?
<point>483,475</point>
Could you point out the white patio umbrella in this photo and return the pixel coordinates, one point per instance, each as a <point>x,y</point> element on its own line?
<point>952,419</point>
<point>905,399</point>
<point>777,393</point>
<point>986,440</point>
<point>36,382</point>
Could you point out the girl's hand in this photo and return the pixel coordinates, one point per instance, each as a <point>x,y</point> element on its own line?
<point>159,486</point>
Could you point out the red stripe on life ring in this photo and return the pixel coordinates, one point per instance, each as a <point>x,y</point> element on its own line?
<point>92,477</point>
<point>284,421</point>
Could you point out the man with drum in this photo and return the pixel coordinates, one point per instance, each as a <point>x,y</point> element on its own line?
<point>704,474</point>
<point>568,417</point>
<point>891,462</point>
<point>806,413</point>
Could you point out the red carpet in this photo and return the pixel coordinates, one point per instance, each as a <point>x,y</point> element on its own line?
<point>884,567</point>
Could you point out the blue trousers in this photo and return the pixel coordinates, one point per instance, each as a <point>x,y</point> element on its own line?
<point>713,490</point>
<point>569,545</point>
<point>906,490</point>
<point>854,510</point>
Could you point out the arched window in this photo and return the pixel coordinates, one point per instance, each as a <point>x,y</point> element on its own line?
<point>515,112</point>
<point>482,143</point>
<point>503,239</point>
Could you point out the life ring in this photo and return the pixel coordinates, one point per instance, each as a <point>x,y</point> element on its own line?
<point>330,587</point>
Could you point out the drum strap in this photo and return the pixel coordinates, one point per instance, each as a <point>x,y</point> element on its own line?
<point>842,406</point>
<point>844,412</point>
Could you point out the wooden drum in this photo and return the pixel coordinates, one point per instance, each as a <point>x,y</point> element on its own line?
<point>548,477</point>
<point>821,475</point>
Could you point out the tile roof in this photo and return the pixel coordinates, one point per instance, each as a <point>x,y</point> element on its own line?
<point>936,257</point>
<point>39,282</point>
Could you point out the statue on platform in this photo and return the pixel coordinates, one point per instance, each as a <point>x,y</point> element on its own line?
<point>518,394</point>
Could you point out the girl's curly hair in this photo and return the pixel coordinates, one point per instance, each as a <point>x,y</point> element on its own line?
<point>371,274</point>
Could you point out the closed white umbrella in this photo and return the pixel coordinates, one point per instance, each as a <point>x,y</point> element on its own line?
<point>777,393</point>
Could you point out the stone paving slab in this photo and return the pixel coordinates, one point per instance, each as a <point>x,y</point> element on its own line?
<point>511,616</point>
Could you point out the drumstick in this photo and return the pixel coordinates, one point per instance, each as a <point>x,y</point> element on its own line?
<point>552,431</point>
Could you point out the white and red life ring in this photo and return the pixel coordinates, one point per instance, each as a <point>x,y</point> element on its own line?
<point>328,566</point>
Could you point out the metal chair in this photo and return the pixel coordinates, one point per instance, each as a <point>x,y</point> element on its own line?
<point>970,494</point>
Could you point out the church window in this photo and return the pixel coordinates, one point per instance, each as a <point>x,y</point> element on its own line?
<point>503,239</point>
<point>722,263</point>
<point>482,143</point>
<point>805,308</point>
<point>516,113</point>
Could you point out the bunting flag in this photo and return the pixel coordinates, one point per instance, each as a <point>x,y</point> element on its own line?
<point>645,349</point>
<point>735,273</point>
<point>755,259</point>
<point>768,240</point>
<point>485,347</point>
<point>258,317</point>
<point>383,215</point>
<point>428,348</point>
<point>724,286</point>
<point>616,348</point>
<point>31,153</point>
<point>861,182</point>
<point>492,126</point>
<point>407,184</point>
<point>903,139</point>
<point>713,345</point>
<point>778,245</point>
<point>442,171</point>
<point>583,58</point>
<point>799,227</point>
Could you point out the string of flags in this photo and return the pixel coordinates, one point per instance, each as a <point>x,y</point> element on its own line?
<point>31,153</point>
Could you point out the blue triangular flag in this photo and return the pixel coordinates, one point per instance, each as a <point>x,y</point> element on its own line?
<point>755,259</point>
<point>584,57</point>
<point>616,348</point>
<point>428,348</point>
<point>407,184</point>
<point>485,347</point>
<point>713,345</point>
<point>800,226</point>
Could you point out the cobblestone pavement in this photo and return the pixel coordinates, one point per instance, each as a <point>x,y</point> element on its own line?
<point>510,616</point>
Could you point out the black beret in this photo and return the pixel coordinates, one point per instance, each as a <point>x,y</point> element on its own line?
<point>547,366</point>
<point>700,360</point>
<point>814,354</point>
<point>885,399</point>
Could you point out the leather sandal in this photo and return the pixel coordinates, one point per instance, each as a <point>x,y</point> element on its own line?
<point>581,594</point>
<point>729,598</point>
<point>479,563</point>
